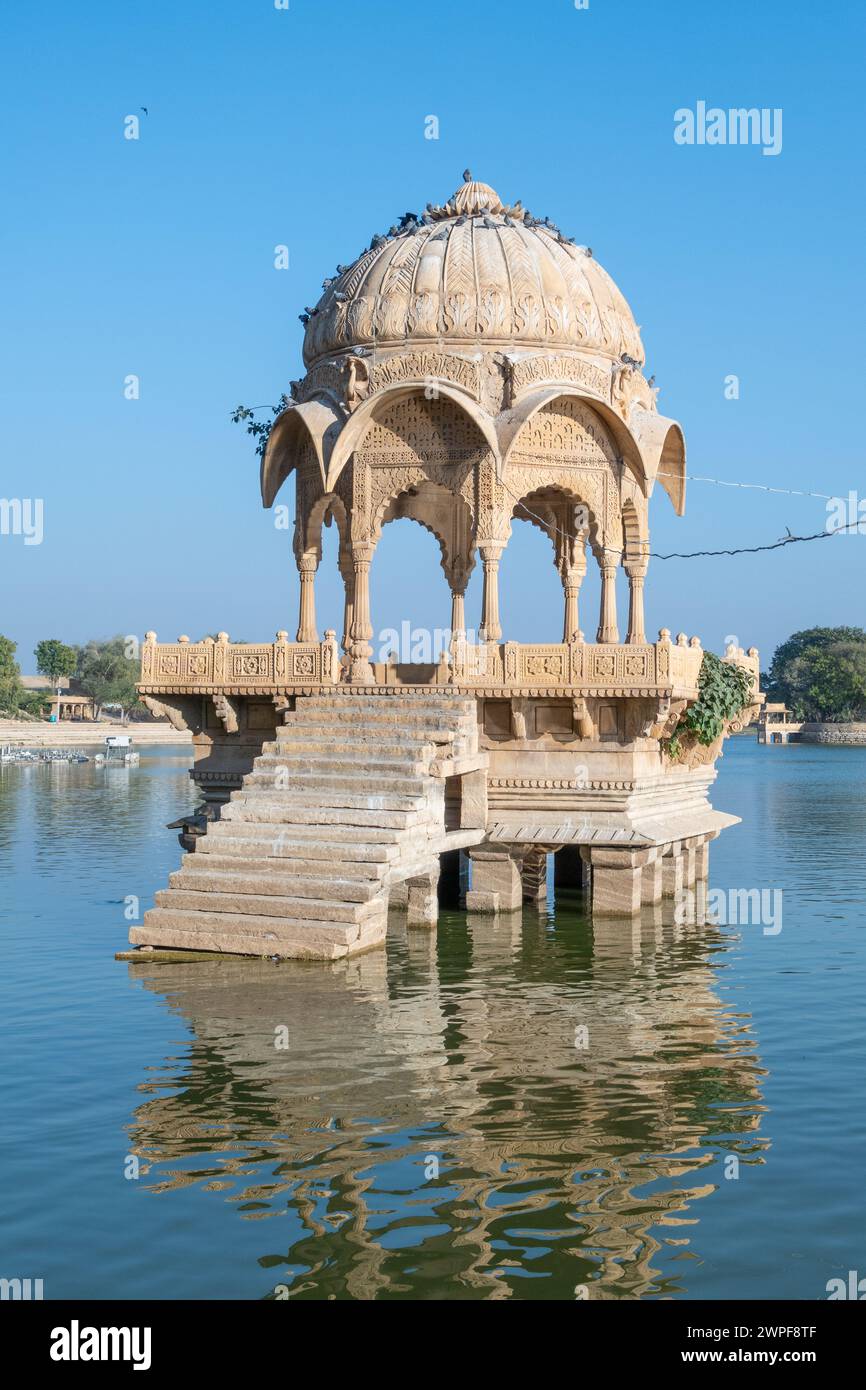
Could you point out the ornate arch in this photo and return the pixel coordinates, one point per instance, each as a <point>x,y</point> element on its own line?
<point>445,515</point>
<point>375,409</point>
<point>663,447</point>
<point>634,533</point>
<point>601,417</point>
<point>552,509</point>
<point>317,423</point>
<point>325,509</point>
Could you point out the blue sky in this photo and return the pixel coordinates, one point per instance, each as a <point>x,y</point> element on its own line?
<point>306,127</point>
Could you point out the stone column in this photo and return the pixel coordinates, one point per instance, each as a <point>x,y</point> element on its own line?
<point>347,571</point>
<point>496,883</point>
<point>491,631</point>
<point>573,571</point>
<point>360,651</point>
<point>307,566</point>
<point>458,613</point>
<point>607,626</point>
<point>636,575</point>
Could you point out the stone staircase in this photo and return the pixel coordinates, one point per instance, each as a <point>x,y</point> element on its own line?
<point>347,802</point>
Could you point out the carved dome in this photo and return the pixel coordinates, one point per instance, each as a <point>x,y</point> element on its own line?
<point>477,273</point>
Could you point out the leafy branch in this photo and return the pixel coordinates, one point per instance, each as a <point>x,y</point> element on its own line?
<point>260,429</point>
<point>724,689</point>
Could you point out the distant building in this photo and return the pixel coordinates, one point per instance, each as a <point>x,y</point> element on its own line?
<point>776,725</point>
<point>64,697</point>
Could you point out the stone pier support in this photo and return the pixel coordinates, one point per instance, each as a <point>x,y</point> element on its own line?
<point>616,879</point>
<point>673,871</point>
<point>689,863</point>
<point>535,876</point>
<point>422,904</point>
<point>651,880</point>
<point>398,895</point>
<point>496,881</point>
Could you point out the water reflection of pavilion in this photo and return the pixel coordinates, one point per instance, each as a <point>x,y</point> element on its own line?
<point>579,1163</point>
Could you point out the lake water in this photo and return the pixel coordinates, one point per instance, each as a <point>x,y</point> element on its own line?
<point>440,1125</point>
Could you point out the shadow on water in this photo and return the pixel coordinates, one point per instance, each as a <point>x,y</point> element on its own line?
<point>527,1106</point>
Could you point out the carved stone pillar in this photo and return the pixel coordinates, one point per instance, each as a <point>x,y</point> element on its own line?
<point>458,613</point>
<point>307,566</point>
<point>607,625</point>
<point>360,651</point>
<point>347,572</point>
<point>572,571</point>
<point>457,569</point>
<point>636,575</point>
<point>491,630</point>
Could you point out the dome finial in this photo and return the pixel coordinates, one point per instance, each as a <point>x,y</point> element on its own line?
<point>472,199</point>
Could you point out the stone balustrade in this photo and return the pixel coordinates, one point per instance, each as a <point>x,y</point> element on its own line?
<point>600,666</point>
<point>235,667</point>
<point>219,665</point>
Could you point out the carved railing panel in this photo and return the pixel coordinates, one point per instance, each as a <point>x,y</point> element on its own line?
<point>245,667</point>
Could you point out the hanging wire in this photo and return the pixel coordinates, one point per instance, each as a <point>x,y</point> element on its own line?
<point>785,540</point>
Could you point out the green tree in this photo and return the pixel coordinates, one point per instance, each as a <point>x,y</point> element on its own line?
<point>820,673</point>
<point>11,689</point>
<point>55,660</point>
<point>107,671</point>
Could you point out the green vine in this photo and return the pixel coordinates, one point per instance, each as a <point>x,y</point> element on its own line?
<point>723,690</point>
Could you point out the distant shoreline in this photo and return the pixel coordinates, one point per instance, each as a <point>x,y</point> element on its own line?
<point>86,735</point>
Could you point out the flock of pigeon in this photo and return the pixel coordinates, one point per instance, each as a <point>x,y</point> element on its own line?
<point>411,222</point>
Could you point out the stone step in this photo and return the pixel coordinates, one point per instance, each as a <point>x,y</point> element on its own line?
<point>301,938</point>
<point>263,905</point>
<point>337,744</point>
<point>446,701</point>
<point>264,841</point>
<point>386,718</point>
<point>292,812</point>
<point>261,789</point>
<point>298,859</point>
<point>359,786</point>
<point>411,743</point>
<point>344,838</point>
<point>287,884</point>
<point>331,761</point>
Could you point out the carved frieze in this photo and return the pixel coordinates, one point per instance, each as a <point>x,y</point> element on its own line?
<point>427,366</point>
<point>531,372</point>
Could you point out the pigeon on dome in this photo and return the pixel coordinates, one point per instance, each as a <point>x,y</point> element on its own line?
<point>474,199</point>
